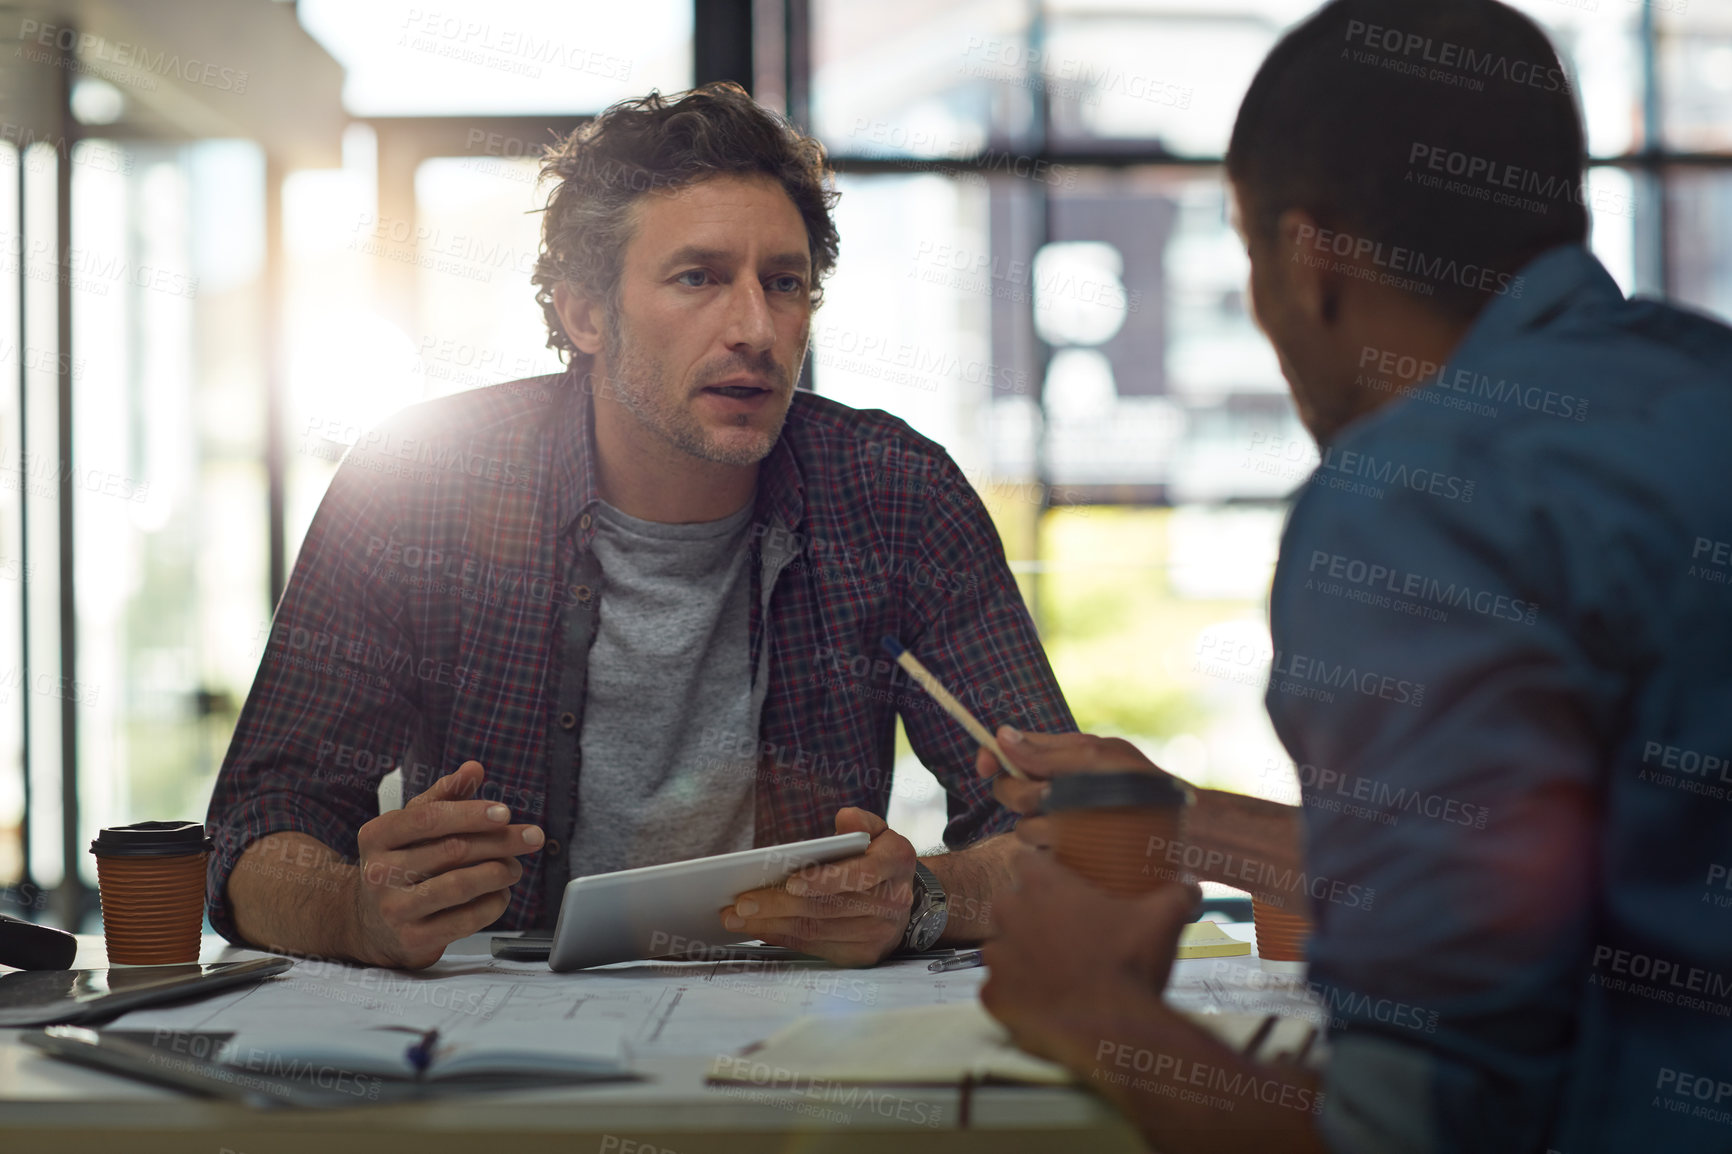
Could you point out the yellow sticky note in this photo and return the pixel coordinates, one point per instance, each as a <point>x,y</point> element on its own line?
<point>1208,940</point>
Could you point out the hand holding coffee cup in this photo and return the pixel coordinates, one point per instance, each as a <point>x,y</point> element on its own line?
<point>1106,811</point>
<point>1282,922</point>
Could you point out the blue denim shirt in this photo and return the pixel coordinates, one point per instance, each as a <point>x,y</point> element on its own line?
<point>1503,663</point>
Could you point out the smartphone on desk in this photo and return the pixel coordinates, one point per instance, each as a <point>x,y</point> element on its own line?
<point>522,948</point>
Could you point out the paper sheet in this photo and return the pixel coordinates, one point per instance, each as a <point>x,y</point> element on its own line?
<point>948,1045</point>
<point>1240,985</point>
<point>911,1047</point>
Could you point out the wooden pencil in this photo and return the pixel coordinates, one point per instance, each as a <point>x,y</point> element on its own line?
<point>923,677</point>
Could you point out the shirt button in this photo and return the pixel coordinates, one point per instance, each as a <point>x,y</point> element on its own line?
<point>583,593</point>
<point>552,846</point>
<point>583,521</point>
<point>568,720</point>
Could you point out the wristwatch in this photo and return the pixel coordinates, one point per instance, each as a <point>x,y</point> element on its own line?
<point>931,909</point>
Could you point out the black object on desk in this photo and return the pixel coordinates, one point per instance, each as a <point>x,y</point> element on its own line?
<point>29,946</point>
<point>522,948</point>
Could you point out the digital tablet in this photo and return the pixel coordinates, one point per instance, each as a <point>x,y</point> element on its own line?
<point>677,907</point>
<point>43,997</point>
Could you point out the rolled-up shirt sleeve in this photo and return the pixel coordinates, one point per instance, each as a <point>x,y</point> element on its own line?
<point>970,627</point>
<point>334,703</point>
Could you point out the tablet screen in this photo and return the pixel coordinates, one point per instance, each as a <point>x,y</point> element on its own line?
<point>41,997</point>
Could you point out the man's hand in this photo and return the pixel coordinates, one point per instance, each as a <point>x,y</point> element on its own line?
<point>434,871</point>
<point>1044,756</point>
<point>851,912</point>
<point>1068,956</point>
<point>1076,976</point>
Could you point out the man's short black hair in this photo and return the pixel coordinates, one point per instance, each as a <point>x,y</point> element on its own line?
<point>1447,129</point>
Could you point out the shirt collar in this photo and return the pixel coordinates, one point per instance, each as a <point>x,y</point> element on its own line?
<point>781,485</point>
<point>1554,282</point>
<point>575,486</point>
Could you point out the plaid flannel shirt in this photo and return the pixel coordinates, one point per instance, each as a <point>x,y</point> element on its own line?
<point>422,628</point>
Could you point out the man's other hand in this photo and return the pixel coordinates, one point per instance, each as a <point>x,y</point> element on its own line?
<point>851,912</point>
<point>1044,756</point>
<point>438,869</point>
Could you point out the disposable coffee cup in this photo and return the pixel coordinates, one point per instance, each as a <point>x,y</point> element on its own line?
<point>1281,935</point>
<point>1120,830</point>
<point>151,878</point>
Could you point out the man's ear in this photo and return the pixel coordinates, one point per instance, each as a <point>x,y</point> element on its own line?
<point>1306,267</point>
<point>581,314</point>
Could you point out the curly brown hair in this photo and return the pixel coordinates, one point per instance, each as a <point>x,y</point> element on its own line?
<point>657,143</point>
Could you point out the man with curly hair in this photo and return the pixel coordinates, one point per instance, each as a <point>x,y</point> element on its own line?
<point>630,613</point>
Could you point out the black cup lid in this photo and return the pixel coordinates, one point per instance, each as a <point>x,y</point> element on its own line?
<point>1115,789</point>
<point>152,839</point>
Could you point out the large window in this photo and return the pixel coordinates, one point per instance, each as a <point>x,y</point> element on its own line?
<point>381,303</point>
<point>1060,231</point>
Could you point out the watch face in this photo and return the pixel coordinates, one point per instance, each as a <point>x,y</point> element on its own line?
<point>931,907</point>
<point>926,930</point>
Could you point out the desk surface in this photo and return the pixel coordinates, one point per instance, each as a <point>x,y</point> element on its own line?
<point>49,1105</point>
<point>54,1106</point>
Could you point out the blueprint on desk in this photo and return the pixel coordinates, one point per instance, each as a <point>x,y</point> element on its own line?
<point>659,1009</point>
<point>653,1009</point>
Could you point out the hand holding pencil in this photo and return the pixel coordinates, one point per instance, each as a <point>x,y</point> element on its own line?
<point>1041,757</point>
<point>1046,754</point>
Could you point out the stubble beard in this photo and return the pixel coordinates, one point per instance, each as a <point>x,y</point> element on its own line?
<point>640,384</point>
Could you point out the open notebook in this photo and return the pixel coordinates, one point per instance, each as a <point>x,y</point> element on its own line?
<point>385,1052</point>
<point>953,1044</point>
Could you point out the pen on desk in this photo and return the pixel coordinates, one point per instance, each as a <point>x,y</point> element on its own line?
<point>421,1053</point>
<point>966,960</point>
<point>923,677</point>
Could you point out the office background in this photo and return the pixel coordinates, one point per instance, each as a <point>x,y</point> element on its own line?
<point>239,233</point>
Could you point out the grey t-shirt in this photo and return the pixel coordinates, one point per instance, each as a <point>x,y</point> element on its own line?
<point>670,664</point>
